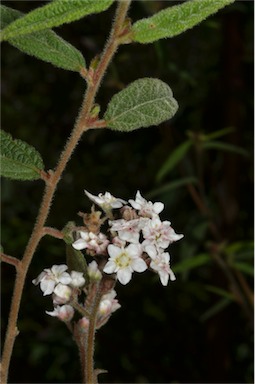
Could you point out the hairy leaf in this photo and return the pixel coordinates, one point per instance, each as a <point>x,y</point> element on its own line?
<point>174,20</point>
<point>45,45</point>
<point>19,161</point>
<point>143,103</point>
<point>53,14</point>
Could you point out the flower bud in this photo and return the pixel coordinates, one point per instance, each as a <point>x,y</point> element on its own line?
<point>83,324</point>
<point>64,312</point>
<point>93,271</point>
<point>77,279</point>
<point>63,291</point>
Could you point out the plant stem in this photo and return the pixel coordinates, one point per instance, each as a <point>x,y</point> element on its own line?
<point>51,185</point>
<point>89,366</point>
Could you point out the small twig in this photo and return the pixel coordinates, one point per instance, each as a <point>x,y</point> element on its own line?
<point>80,308</point>
<point>10,260</point>
<point>52,232</point>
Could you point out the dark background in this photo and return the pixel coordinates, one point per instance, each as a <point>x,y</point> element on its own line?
<point>198,329</point>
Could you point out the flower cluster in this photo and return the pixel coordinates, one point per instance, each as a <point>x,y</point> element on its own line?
<point>130,237</point>
<point>65,288</point>
<point>136,239</point>
<point>58,282</point>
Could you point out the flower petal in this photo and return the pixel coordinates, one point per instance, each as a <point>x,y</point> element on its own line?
<point>47,286</point>
<point>164,277</point>
<point>158,207</point>
<point>58,269</point>
<point>114,251</point>
<point>110,267</point>
<point>139,265</point>
<point>124,275</point>
<point>80,244</point>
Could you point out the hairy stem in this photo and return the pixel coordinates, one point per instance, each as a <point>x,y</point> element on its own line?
<point>81,126</point>
<point>10,260</point>
<point>89,373</point>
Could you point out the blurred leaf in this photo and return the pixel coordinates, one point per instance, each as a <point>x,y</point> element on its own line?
<point>191,263</point>
<point>219,306</point>
<point>19,161</point>
<point>75,260</point>
<point>143,103</point>
<point>176,19</point>
<point>244,267</point>
<point>240,250</point>
<point>171,186</point>
<point>219,145</point>
<point>45,45</point>
<point>220,292</point>
<point>219,133</point>
<point>175,157</point>
<point>53,14</point>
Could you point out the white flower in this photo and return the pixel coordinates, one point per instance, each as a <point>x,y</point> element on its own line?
<point>159,233</point>
<point>106,201</point>
<point>146,208</point>
<point>160,263</point>
<point>108,304</point>
<point>93,271</point>
<point>64,312</point>
<point>124,261</point>
<point>77,279</point>
<point>118,242</point>
<point>91,241</point>
<point>128,230</point>
<point>63,291</point>
<point>49,278</point>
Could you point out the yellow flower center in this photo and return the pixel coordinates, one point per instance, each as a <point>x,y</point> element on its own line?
<point>123,260</point>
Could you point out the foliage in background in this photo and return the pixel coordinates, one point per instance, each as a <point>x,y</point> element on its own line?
<point>199,165</point>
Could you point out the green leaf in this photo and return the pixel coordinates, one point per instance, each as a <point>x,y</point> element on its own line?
<point>143,103</point>
<point>175,157</point>
<point>75,260</point>
<point>247,268</point>
<point>191,263</point>
<point>219,133</point>
<point>174,20</point>
<point>221,146</point>
<point>45,45</point>
<point>220,292</point>
<point>171,186</point>
<point>19,161</point>
<point>219,306</point>
<point>53,14</point>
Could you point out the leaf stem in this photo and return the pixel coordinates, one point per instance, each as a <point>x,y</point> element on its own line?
<point>80,127</point>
